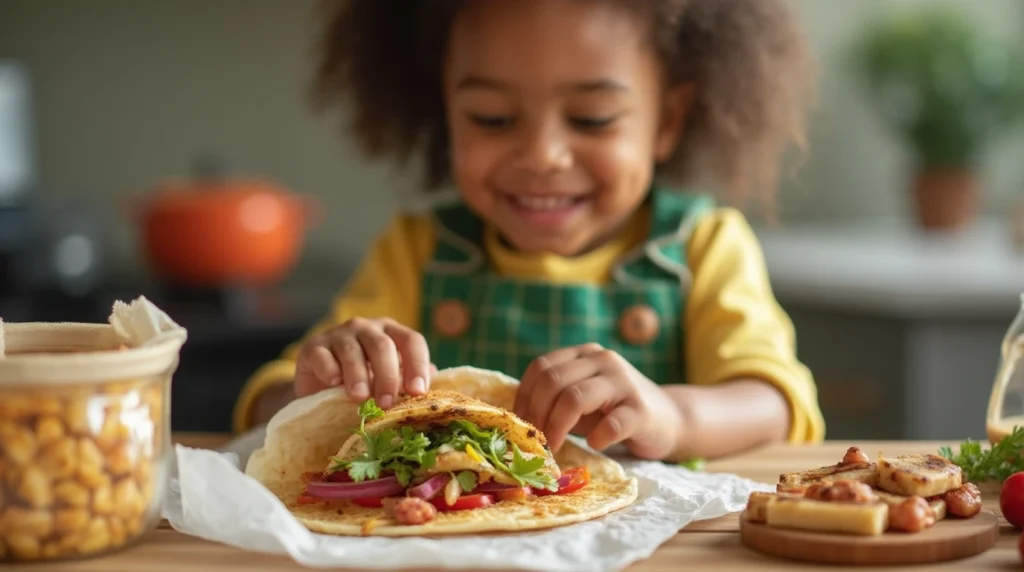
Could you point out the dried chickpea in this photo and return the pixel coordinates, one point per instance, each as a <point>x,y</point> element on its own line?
<point>68,543</point>
<point>34,522</point>
<point>118,461</point>
<point>34,487</point>
<point>118,535</point>
<point>72,493</point>
<point>113,432</point>
<point>46,405</point>
<point>59,459</point>
<point>91,461</point>
<point>128,499</point>
<point>102,500</point>
<point>18,443</point>
<point>96,538</point>
<point>3,550</point>
<point>143,470</point>
<point>70,519</point>
<point>48,430</point>
<point>24,546</point>
<point>133,526</point>
<point>77,417</point>
<point>50,550</point>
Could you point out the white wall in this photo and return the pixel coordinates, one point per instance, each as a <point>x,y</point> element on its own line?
<point>128,92</point>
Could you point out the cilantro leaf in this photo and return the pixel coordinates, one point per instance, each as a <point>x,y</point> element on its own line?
<point>467,480</point>
<point>369,410</point>
<point>388,450</point>
<point>528,471</point>
<point>364,469</point>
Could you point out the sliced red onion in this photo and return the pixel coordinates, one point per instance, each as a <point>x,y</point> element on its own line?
<point>429,488</point>
<point>493,486</point>
<point>384,487</point>
<point>564,481</point>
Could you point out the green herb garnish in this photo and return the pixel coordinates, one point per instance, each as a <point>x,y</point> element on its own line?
<point>405,451</point>
<point>467,480</point>
<point>490,444</point>
<point>389,450</point>
<point>993,464</point>
<point>694,464</point>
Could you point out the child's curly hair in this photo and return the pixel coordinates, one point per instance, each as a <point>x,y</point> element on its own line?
<point>748,59</point>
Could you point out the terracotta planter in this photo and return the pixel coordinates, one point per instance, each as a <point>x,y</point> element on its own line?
<point>945,199</point>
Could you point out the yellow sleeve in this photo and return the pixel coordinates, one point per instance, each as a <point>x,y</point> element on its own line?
<point>734,326</point>
<point>387,284</point>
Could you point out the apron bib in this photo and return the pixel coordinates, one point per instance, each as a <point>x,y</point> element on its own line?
<point>472,316</point>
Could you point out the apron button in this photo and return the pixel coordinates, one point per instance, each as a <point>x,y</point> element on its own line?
<point>451,318</point>
<point>639,325</point>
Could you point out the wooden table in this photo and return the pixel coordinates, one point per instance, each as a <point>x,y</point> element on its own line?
<point>707,545</point>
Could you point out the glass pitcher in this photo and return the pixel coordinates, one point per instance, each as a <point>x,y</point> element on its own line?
<point>1006,404</point>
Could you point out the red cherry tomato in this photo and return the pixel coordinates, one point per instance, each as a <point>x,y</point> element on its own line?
<point>579,477</point>
<point>466,502</point>
<point>1011,499</point>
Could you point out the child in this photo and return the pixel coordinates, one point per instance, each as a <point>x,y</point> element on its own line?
<point>631,313</point>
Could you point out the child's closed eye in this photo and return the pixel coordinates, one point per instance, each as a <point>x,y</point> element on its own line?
<point>592,123</point>
<point>492,121</point>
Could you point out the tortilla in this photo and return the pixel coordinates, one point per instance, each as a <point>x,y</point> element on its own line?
<point>306,433</point>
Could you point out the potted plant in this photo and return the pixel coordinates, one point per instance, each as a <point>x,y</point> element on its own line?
<point>949,89</point>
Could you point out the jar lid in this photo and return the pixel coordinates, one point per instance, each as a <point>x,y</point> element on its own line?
<point>139,341</point>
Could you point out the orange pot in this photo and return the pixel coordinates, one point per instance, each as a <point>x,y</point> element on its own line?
<point>218,232</point>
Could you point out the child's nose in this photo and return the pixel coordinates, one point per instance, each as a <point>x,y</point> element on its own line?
<point>544,149</point>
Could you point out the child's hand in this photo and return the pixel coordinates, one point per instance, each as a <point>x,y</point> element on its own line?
<point>369,356</point>
<point>593,391</point>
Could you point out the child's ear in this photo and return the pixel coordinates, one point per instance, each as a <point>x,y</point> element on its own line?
<point>676,105</point>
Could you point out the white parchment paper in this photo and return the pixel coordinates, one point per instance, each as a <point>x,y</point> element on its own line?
<point>213,499</point>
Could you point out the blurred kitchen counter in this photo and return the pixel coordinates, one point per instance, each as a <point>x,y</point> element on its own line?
<point>901,328</point>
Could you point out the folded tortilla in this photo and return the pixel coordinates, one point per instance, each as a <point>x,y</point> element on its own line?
<point>304,436</point>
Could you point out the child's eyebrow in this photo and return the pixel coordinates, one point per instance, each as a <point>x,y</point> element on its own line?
<point>472,82</point>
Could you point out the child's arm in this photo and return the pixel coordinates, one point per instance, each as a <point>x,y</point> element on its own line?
<point>746,386</point>
<point>386,285</point>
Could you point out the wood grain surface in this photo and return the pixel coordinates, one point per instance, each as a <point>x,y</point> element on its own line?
<point>709,545</point>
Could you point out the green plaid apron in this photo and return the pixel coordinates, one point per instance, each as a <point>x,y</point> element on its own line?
<point>513,321</point>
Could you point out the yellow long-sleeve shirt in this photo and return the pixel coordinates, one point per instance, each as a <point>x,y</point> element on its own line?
<point>734,326</point>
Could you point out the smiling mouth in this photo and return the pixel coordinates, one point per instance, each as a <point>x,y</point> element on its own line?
<point>546,203</point>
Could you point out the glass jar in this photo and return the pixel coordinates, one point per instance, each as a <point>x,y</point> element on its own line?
<point>84,439</point>
<point>1006,404</point>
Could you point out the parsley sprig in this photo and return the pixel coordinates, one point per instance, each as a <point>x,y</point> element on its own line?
<point>993,464</point>
<point>400,452</point>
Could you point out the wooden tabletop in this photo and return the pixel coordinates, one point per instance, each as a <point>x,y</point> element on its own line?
<point>708,545</point>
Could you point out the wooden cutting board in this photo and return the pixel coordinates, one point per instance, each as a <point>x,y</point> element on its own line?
<point>948,539</point>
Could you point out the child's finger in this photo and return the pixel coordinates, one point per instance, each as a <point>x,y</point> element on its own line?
<point>349,355</point>
<point>382,354</point>
<point>620,424</point>
<point>412,346</point>
<point>573,403</point>
<point>555,381</point>
<point>315,369</point>
<point>534,376</point>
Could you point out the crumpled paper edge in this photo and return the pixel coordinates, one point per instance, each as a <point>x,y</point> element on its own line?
<point>324,551</point>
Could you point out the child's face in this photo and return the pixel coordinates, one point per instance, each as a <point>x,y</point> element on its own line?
<point>557,112</point>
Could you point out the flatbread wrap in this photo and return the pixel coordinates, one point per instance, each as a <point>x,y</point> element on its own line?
<point>454,461</point>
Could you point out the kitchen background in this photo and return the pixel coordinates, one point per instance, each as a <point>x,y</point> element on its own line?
<point>103,102</point>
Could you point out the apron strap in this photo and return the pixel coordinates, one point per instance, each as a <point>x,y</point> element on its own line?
<point>673,218</point>
<point>458,233</point>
